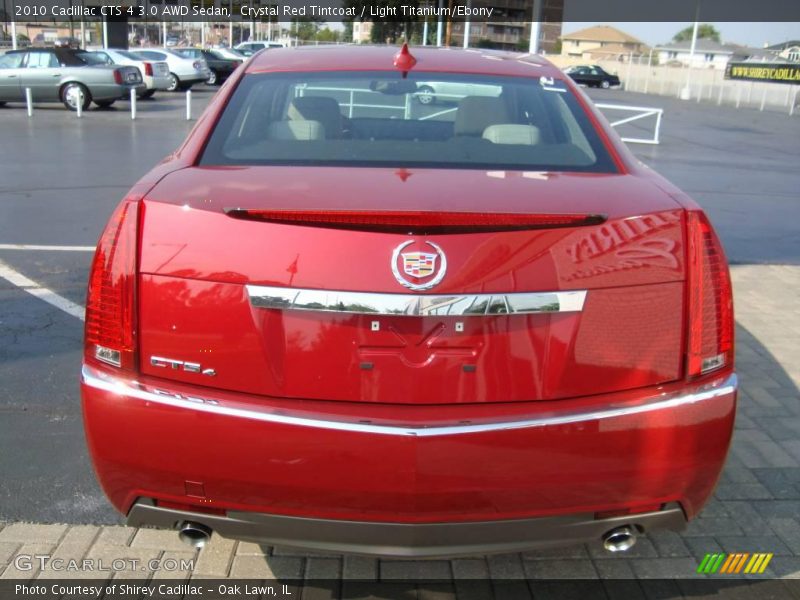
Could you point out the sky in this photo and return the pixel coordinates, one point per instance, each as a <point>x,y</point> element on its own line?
<point>755,35</point>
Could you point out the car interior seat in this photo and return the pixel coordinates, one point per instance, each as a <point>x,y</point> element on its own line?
<point>321,109</point>
<point>511,133</point>
<point>295,131</point>
<point>476,113</point>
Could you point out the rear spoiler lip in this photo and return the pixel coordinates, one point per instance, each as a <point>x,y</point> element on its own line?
<point>416,222</point>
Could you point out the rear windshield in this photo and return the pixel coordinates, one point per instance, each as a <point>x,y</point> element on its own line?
<point>149,55</point>
<point>426,120</point>
<point>92,58</point>
<point>128,55</point>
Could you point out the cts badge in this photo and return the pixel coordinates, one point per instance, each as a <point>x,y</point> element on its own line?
<point>179,365</point>
<point>428,268</point>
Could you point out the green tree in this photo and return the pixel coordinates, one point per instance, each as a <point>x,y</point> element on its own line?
<point>705,31</point>
<point>392,29</point>
<point>306,28</point>
<point>328,35</point>
<point>347,34</point>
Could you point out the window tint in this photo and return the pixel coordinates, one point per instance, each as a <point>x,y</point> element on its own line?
<point>89,58</point>
<point>151,55</point>
<point>381,119</point>
<point>42,60</point>
<point>97,58</point>
<point>11,61</point>
<point>128,55</point>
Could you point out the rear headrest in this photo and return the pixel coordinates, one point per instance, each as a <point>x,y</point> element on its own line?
<point>318,108</point>
<point>476,113</point>
<point>287,131</point>
<point>512,134</point>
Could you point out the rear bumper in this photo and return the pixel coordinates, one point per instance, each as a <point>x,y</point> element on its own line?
<point>155,82</point>
<point>496,474</point>
<point>425,540</point>
<point>114,91</point>
<point>194,76</point>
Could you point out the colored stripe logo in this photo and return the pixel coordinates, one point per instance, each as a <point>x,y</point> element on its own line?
<point>732,564</point>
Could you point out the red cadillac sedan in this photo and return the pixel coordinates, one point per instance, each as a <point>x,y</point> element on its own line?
<point>343,319</point>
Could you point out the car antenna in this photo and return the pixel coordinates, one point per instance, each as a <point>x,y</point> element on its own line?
<point>404,61</point>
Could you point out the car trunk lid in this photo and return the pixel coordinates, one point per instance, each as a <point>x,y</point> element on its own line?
<point>312,310</point>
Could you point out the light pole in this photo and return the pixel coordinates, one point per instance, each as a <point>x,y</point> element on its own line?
<point>649,67</point>
<point>536,26</point>
<point>686,92</point>
<point>466,27</point>
<point>439,24</point>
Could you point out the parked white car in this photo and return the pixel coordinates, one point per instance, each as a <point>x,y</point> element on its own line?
<point>429,92</point>
<point>154,73</point>
<point>250,48</point>
<point>183,72</point>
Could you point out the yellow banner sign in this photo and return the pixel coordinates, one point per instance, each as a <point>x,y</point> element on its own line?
<point>773,73</point>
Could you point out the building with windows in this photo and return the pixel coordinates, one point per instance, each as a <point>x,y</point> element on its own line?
<point>362,32</point>
<point>789,50</point>
<point>714,55</point>
<point>506,35</point>
<point>509,27</point>
<point>599,42</point>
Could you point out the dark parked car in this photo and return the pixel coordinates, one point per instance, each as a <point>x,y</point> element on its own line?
<point>593,76</point>
<point>220,66</point>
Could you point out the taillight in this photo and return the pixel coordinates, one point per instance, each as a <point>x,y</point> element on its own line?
<point>417,222</point>
<point>110,302</point>
<point>710,300</point>
<point>118,76</point>
<point>148,69</point>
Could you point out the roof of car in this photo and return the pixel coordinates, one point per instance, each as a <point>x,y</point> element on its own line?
<point>380,58</point>
<point>56,49</point>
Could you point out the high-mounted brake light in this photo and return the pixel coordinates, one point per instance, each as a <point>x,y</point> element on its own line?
<point>110,317</point>
<point>404,60</point>
<point>416,222</point>
<point>710,300</point>
<point>148,69</point>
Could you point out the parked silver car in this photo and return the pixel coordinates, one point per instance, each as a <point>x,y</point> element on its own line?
<point>64,75</point>
<point>183,72</point>
<point>154,73</point>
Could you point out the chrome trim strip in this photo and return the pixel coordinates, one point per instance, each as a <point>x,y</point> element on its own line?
<point>415,305</point>
<point>102,381</point>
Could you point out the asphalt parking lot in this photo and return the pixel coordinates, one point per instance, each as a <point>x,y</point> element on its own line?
<point>61,176</point>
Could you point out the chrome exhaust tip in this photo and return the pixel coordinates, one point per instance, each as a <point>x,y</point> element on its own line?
<point>195,535</point>
<point>620,539</point>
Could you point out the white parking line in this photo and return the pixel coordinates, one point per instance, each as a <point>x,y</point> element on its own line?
<point>53,248</point>
<point>34,289</point>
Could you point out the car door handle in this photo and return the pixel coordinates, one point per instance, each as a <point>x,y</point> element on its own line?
<point>12,76</point>
<point>57,75</point>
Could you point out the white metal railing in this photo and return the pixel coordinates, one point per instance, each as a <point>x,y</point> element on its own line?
<point>643,112</point>
<point>351,103</point>
<point>405,107</point>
